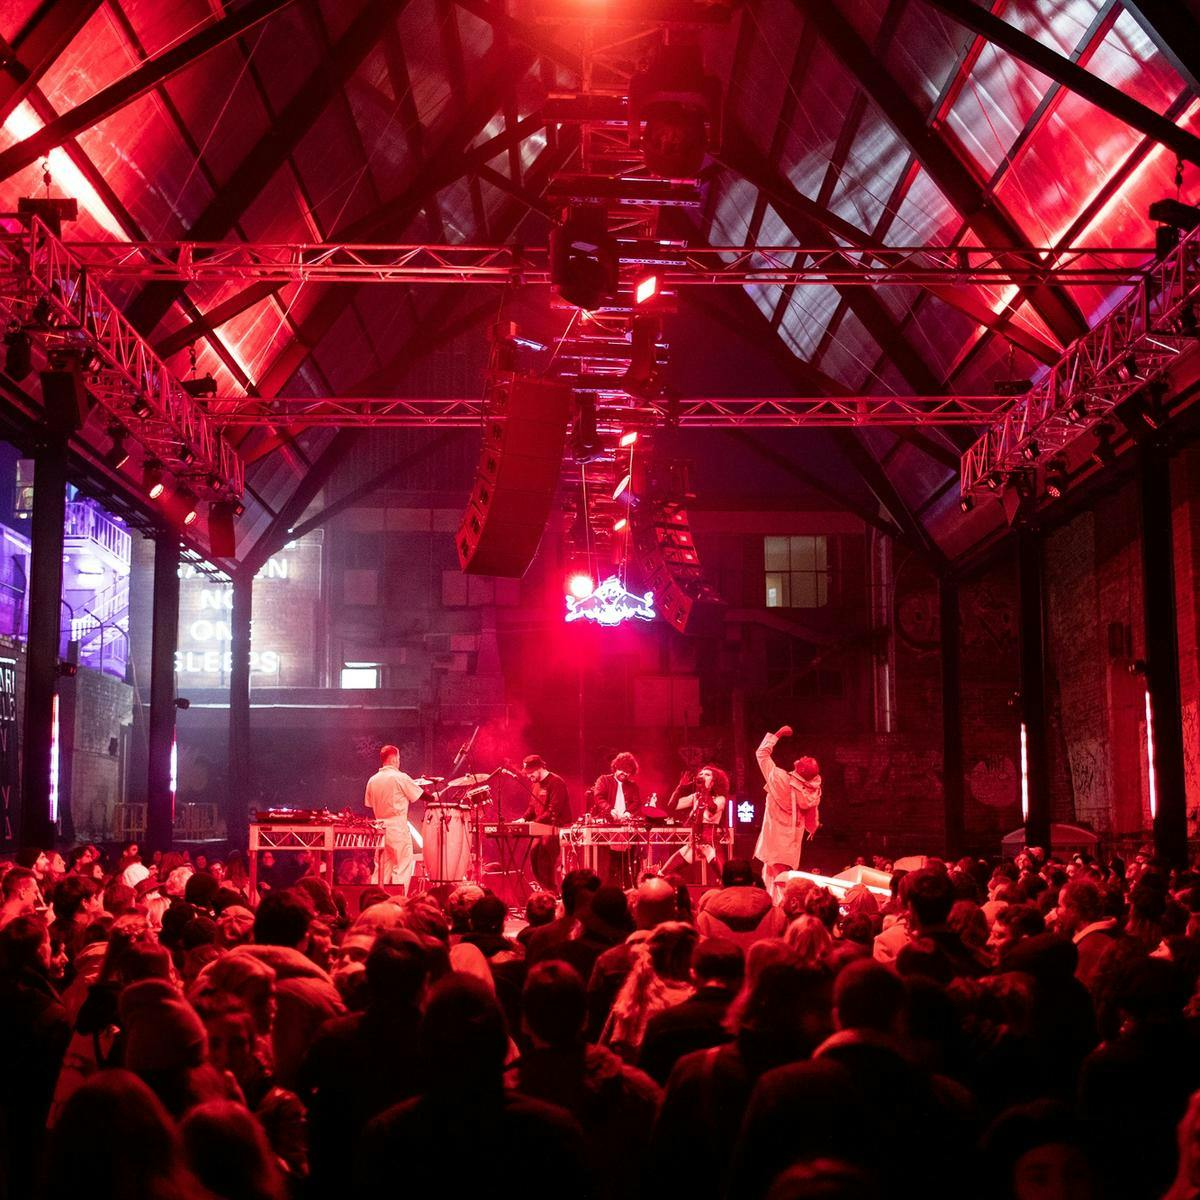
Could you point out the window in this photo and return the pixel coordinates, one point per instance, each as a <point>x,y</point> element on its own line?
<point>797,572</point>
<point>360,675</point>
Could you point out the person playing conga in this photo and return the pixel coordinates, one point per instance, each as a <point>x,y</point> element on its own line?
<point>389,793</point>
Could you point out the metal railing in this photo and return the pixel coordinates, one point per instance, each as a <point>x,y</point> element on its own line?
<point>85,520</point>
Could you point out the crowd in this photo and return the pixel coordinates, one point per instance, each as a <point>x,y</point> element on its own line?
<point>1025,1030</point>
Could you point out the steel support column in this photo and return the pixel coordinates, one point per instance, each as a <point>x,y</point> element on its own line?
<point>41,649</point>
<point>237,814</point>
<point>1032,634</point>
<point>953,791</point>
<point>1162,655</point>
<point>160,799</point>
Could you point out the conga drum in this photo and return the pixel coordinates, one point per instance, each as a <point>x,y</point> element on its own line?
<point>446,832</point>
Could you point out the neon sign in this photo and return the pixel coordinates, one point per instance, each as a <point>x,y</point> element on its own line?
<point>609,604</point>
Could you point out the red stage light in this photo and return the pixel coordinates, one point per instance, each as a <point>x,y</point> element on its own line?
<point>580,586</point>
<point>646,289</point>
<point>627,439</point>
<point>152,481</point>
<point>620,524</point>
<point>620,488</point>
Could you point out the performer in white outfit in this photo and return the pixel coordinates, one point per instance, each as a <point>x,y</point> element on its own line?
<point>389,793</point>
<point>793,801</point>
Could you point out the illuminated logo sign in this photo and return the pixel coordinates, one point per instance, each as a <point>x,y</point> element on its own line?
<point>745,812</point>
<point>610,604</point>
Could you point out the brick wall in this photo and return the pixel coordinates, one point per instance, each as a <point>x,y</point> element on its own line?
<point>1185,490</point>
<point>1094,621</point>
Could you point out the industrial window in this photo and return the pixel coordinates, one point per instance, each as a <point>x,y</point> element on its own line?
<point>360,675</point>
<point>797,572</point>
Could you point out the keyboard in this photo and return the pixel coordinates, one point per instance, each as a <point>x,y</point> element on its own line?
<point>517,829</point>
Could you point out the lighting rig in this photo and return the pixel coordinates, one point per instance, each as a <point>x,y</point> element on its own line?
<point>643,136</point>
<point>58,320</point>
<point>1116,372</point>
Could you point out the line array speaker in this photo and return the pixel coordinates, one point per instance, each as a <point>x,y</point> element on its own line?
<point>670,565</point>
<point>64,399</point>
<point>519,467</point>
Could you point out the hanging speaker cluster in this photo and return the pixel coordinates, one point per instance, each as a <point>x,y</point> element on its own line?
<point>670,564</point>
<point>519,466</point>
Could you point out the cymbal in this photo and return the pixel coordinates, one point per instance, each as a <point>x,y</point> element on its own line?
<point>428,780</point>
<point>468,780</point>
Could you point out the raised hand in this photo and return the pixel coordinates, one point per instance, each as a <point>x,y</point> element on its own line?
<point>784,731</point>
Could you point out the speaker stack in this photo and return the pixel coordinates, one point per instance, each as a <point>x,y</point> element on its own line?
<point>670,565</point>
<point>519,467</point>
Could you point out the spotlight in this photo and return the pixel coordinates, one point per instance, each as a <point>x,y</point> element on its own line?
<point>672,105</point>
<point>1056,480</point>
<point>627,439</point>
<point>646,289</point>
<point>583,258</point>
<point>187,500</point>
<point>618,526</point>
<point>1141,414</point>
<point>141,408</point>
<point>1104,455</point>
<point>1030,451</point>
<point>18,353</point>
<point>118,454</point>
<point>993,483</point>
<point>1076,412</point>
<point>622,486</point>
<point>965,503</point>
<point>580,585</point>
<point>1127,369</point>
<point>202,385</point>
<point>153,480</point>
<point>186,455</point>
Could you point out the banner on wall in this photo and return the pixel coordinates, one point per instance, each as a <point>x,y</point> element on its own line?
<point>284,645</point>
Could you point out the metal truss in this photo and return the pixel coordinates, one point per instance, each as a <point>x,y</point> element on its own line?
<point>675,265</point>
<point>49,293</point>
<point>1130,349</point>
<point>708,412</point>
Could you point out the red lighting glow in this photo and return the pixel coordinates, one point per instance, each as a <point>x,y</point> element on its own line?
<point>580,585</point>
<point>1151,778</point>
<point>646,289</point>
<point>1024,772</point>
<point>621,524</point>
<point>627,439</point>
<point>625,482</point>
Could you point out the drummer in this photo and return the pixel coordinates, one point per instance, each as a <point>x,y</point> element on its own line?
<point>389,793</point>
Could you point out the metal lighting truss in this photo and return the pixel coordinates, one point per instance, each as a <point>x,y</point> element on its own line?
<point>1132,347</point>
<point>676,266</point>
<point>708,412</point>
<point>50,293</point>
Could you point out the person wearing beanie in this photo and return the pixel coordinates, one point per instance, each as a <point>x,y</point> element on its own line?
<point>162,1030</point>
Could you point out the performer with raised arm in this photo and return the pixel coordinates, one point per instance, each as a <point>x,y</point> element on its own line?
<point>389,793</point>
<point>548,805</point>
<point>793,803</point>
<point>703,800</point>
